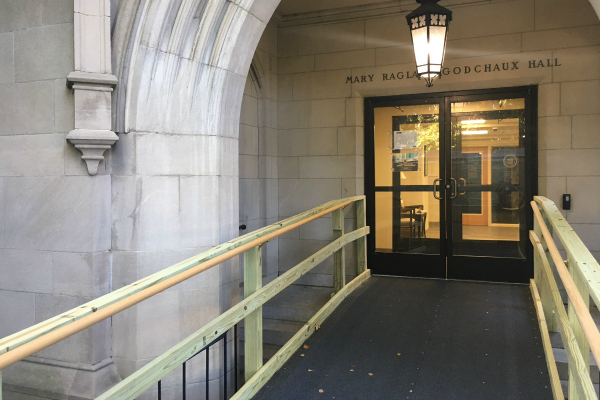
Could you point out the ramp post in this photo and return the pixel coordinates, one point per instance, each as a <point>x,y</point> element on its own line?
<point>253,329</point>
<point>361,244</point>
<point>339,257</point>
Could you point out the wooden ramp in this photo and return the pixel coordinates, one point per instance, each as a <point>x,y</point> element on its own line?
<point>397,338</point>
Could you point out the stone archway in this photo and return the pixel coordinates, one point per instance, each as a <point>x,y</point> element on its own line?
<point>182,67</point>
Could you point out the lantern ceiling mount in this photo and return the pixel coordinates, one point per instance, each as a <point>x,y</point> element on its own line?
<point>429,29</point>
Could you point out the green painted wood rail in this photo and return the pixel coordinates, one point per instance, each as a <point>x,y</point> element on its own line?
<point>38,337</point>
<point>581,281</point>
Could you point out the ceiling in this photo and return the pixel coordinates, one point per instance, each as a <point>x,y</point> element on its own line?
<point>291,7</point>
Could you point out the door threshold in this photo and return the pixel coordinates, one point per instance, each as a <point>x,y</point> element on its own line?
<point>453,280</point>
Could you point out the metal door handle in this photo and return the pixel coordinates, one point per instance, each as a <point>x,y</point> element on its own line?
<point>435,190</point>
<point>464,183</point>
<point>454,187</point>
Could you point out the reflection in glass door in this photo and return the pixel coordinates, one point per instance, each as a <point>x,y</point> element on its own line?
<point>488,209</point>
<point>448,178</point>
<point>406,150</point>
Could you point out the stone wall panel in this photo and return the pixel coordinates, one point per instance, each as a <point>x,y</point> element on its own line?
<point>554,132</point>
<point>329,38</point>
<point>483,20</point>
<point>322,142</point>
<point>7,71</point>
<point>586,131</point>
<point>26,271</point>
<point>345,59</point>
<point>552,14</point>
<point>55,214</point>
<point>293,199</point>
<point>81,274</point>
<point>20,15</point>
<point>36,50</point>
<point>585,191</point>
<point>32,155</point>
<point>582,97</point>
<point>577,64</point>
<point>571,163</point>
<point>293,114</point>
<point>562,38</point>
<point>27,108</point>
<point>20,314</point>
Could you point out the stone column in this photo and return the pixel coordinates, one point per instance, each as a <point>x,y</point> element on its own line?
<point>54,217</point>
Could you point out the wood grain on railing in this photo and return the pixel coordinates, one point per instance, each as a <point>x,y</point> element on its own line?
<point>583,314</point>
<point>582,380</point>
<point>144,378</point>
<point>575,248</point>
<point>253,323</point>
<point>339,257</point>
<point>45,334</point>
<point>550,360</point>
<point>20,338</point>
<point>361,244</point>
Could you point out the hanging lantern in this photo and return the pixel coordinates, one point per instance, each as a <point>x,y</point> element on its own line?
<point>429,29</point>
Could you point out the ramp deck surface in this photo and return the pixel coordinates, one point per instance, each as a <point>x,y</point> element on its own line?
<point>402,338</point>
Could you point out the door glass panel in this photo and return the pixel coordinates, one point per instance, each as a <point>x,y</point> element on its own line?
<point>407,162</point>
<point>488,168</point>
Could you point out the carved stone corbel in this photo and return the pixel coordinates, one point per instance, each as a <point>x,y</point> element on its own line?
<point>92,82</point>
<point>92,134</point>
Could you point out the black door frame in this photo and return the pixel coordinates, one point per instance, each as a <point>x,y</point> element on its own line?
<point>445,265</point>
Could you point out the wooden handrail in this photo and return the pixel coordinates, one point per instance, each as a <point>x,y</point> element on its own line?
<point>578,252</point>
<point>26,335</point>
<point>585,319</point>
<point>142,379</point>
<point>56,334</point>
<point>581,377</point>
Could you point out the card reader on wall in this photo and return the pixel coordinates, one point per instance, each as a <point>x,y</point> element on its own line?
<point>566,202</point>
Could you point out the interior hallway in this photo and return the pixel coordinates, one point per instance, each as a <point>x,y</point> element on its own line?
<point>397,338</point>
<point>474,232</point>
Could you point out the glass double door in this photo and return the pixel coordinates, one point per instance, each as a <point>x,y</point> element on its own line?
<point>448,182</point>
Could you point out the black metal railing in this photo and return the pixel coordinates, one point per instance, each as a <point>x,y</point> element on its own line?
<point>206,349</point>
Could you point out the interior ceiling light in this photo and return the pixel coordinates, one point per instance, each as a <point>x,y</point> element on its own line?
<point>429,29</point>
<point>473,121</point>
<point>474,132</point>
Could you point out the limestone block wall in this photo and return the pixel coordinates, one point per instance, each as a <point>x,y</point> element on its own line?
<point>54,217</point>
<point>175,184</point>
<point>320,112</point>
<point>258,148</point>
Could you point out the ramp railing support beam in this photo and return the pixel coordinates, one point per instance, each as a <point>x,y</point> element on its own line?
<point>339,257</point>
<point>253,329</point>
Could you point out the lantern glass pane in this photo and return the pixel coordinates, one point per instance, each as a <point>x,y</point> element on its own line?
<point>435,68</point>
<point>420,45</point>
<point>422,69</point>
<point>437,39</point>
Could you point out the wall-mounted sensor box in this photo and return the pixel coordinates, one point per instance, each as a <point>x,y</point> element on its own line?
<point>566,202</point>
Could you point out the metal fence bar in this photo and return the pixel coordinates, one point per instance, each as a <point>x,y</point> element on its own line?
<point>225,363</point>
<point>235,355</point>
<point>207,369</point>
<point>184,389</point>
